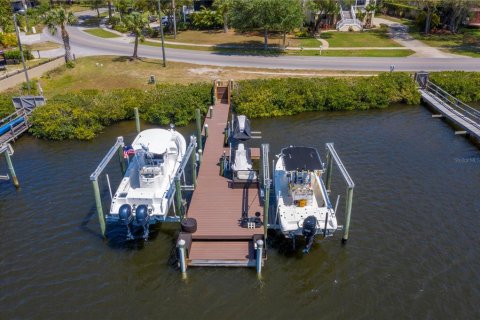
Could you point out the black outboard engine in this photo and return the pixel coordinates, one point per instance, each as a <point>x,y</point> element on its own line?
<point>309,230</point>
<point>142,218</point>
<point>126,217</point>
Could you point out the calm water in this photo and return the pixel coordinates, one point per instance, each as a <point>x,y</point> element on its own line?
<point>413,249</point>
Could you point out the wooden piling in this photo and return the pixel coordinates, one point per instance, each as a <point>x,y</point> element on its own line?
<point>11,169</point>
<point>121,159</point>
<point>193,160</point>
<point>200,156</point>
<point>206,130</point>
<point>328,181</point>
<point>266,207</point>
<point>178,197</point>
<point>98,202</point>
<point>211,112</point>
<point>137,119</point>
<point>348,213</point>
<point>198,120</point>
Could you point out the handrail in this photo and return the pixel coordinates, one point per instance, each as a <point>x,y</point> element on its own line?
<point>448,96</point>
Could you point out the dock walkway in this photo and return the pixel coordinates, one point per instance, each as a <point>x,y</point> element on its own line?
<point>458,113</point>
<point>220,240</point>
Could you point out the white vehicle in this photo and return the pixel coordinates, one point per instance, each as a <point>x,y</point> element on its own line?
<point>303,206</point>
<point>144,194</point>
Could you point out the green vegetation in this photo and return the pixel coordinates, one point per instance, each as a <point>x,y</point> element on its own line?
<point>15,54</point>
<point>461,84</point>
<point>280,97</point>
<point>372,38</point>
<point>82,115</point>
<point>101,33</point>
<point>277,52</point>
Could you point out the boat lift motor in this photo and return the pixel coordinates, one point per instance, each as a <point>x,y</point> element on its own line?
<point>309,230</point>
<point>125,215</point>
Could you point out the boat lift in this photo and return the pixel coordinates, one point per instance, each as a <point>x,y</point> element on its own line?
<point>332,156</point>
<point>174,194</point>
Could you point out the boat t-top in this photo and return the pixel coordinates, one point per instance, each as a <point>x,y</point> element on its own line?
<point>143,196</point>
<point>303,206</point>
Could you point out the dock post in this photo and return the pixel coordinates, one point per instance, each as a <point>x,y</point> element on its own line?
<point>211,112</point>
<point>193,160</point>
<point>222,165</point>
<point>178,197</point>
<point>348,214</point>
<point>266,204</point>
<point>329,171</point>
<point>11,169</point>
<point>121,159</point>
<point>259,256</point>
<point>198,119</point>
<point>137,119</point>
<point>181,253</point>
<point>206,130</point>
<point>98,202</point>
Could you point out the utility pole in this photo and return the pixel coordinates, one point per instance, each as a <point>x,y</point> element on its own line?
<point>174,20</point>
<point>161,32</point>
<point>21,51</point>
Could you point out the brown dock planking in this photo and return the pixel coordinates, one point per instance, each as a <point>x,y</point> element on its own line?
<point>215,205</point>
<point>218,207</point>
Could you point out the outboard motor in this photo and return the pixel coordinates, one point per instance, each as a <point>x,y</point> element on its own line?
<point>126,217</point>
<point>142,218</point>
<point>309,230</point>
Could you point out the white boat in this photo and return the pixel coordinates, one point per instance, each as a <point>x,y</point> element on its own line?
<point>145,192</point>
<point>303,206</point>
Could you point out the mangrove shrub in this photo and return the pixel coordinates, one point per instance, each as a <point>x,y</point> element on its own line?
<point>82,115</point>
<point>279,97</point>
<point>461,84</point>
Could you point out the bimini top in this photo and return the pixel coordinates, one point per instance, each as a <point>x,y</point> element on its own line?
<point>241,128</point>
<point>301,158</point>
<point>155,140</point>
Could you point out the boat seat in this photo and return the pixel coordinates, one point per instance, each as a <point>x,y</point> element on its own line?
<point>243,165</point>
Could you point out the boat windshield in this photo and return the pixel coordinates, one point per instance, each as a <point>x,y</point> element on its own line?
<point>153,159</point>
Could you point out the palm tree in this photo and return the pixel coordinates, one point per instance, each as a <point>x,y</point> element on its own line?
<point>135,23</point>
<point>370,10</point>
<point>60,18</point>
<point>223,7</point>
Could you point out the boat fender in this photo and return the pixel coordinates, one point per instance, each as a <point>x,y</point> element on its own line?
<point>141,215</point>
<point>125,214</point>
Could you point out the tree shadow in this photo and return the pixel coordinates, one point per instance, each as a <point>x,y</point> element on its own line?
<point>247,48</point>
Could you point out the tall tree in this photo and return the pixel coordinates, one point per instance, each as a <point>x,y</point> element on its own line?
<point>223,7</point>
<point>95,5</point>
<point>135,23</point>
<point>291,17</point>
<point>429,6</point>
<point>6,22</point>
<point>329,8</point>
<point>370,10</point>
<point>61,18</point>
<point>266,15</point>
<point>455,11</point>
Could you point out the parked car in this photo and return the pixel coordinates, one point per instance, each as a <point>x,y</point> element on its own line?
<point>152,18</point>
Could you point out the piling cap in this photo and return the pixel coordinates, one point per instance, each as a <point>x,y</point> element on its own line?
<point>260,242</point>
<point>181,242</point>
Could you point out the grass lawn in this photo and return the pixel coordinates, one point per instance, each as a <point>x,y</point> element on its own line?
<point>275,52</point>
<point>78,7</point>
<point>394,19</point>
<point>371,38</point>
<point>29,63</point>
<point>101,33</point>
<point>252,39</point>
<point>453,43</point>
<point>41,46</point>
<point>121,72</point>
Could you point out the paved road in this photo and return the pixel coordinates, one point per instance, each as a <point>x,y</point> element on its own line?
<point>84,44</point>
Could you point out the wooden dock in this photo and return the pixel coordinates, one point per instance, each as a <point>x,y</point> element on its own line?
<point>449,107</point>
<point>218,208</point>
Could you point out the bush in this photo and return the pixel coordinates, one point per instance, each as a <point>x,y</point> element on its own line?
<point>15,54</point>
<point>8,40</point>
<point>82,115</point>
<point>461,84</point>
<point>279,97</point>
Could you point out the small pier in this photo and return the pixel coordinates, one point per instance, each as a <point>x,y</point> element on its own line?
<point>17,123</point>
<point>218,206</point>
<point>447,106</point>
